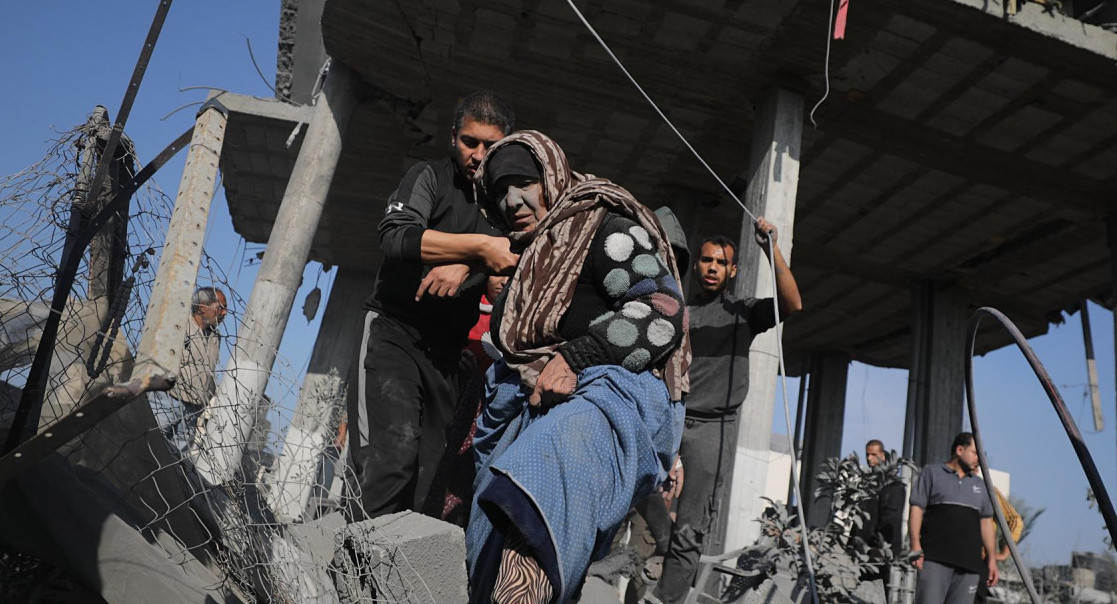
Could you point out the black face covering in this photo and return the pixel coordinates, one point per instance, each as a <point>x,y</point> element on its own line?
<point>510,160</point>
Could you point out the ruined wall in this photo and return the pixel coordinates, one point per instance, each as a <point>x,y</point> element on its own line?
<point>285,57</point>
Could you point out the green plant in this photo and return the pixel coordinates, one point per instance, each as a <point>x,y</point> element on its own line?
<point>840,556</point>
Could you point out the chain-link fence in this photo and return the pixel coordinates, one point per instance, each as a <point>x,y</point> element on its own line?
<point>123,502</point>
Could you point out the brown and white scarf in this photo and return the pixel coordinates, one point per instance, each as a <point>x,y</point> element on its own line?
<point>540,292</point>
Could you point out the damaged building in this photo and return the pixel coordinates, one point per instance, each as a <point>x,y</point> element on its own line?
<point>964,155</point>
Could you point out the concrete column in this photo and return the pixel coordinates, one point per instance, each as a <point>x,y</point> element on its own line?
<point>160,350</point>
<point>246,375</point>
<point>1091,365</point>
<point>312,425</point>
<point>822,435</point>
<point>773,181</point>
<point>1111,236</point>
<point>936,379</point>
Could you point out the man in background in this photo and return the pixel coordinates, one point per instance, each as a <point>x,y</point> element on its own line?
<point>177,410</point>
<point>883,525</point>
<point>950,521</point>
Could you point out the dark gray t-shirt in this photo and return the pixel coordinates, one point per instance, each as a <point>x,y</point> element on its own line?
<point>721,332</point>
<point>952,511</point>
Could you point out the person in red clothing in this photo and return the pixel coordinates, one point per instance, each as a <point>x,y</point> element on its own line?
<point>453,483</point>
<point>480,343</point>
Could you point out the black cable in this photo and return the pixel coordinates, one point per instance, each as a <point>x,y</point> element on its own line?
<point>107,335</point>
<point>1084,457</point>
<point>31,400</point>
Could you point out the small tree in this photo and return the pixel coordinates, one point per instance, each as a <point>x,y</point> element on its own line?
<point>840,556</point>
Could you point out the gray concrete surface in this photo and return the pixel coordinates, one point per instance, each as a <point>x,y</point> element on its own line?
<point>404,557</point>
<point>76,521</point>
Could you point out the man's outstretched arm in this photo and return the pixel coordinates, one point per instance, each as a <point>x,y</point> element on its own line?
<point>437,247</point>
<point>787,290</point>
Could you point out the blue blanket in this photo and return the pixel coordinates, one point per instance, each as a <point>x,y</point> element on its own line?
<point>565,477</point>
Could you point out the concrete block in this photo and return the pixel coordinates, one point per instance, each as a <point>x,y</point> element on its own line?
<point>404,557</point>
<point>597,591</point>
<point>318,538</point>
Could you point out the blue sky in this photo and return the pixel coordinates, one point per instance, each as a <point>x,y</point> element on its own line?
<point>62,58</point>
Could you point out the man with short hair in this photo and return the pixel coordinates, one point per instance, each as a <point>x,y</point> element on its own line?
<point>884,514</point>
<point>722,328</point>
<point>433,236</point>
<point>951,519</point>
<point>177,410</point>
<point>885,518</point>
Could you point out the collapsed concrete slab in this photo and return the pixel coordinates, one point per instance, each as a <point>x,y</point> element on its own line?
<point>318,538</point>
<point>75,520</point>
<point>128,451</point>
<point>404,557</point>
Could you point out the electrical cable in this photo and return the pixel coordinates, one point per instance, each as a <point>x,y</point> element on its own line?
<point>663,116</point>
<point>260,72</point>
<point>1105,505</point>
<point>779,332</point>
<point>825,66</point>
<point>787,418</point>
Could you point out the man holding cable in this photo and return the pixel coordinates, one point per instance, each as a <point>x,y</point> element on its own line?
<point>722,328</point>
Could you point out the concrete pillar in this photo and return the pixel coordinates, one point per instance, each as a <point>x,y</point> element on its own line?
<point>1091,365</point>
<point>246,375</point>
<point>1111,236</point>
<point>773,181</point>
<point>936,380</point>
<point>312,426</point>
<point>160,350</point>
<point>822,435</point>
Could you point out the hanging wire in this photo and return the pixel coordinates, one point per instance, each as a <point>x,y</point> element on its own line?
<point>663,116</point>
<point>259,71</point>
<point>787,417</point>
<point>779,331</point>
<point>825,66</point>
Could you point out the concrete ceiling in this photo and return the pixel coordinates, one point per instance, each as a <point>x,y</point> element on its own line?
<point>957,145</point>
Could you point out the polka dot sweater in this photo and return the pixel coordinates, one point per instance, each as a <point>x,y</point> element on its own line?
<point>627,308</point>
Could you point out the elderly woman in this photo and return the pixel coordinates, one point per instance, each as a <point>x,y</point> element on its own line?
<point>584,414</point>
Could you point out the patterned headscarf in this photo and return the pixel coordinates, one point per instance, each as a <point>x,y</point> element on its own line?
<point>541,291</point>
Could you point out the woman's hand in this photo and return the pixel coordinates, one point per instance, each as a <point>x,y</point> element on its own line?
<point>556,382</point>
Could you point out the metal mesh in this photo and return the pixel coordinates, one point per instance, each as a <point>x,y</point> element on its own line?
<point>226,537</point>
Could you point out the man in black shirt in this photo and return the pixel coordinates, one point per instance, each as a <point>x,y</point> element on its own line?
<point>884,513</point>
<point>433,236</point>
<point>951,519</point>
<point>885,510</point>
<point>721,331</point>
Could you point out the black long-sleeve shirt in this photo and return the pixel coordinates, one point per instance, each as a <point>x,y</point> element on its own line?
<point>627,309</point>
<point>432,195</point>
<point>884,517</point>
